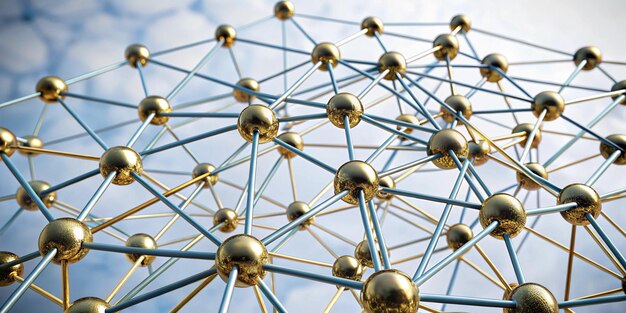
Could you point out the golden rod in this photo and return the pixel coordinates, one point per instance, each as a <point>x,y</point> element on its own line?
<point>482,272</point>
<point>259,299</point>
<point>574,163</point>
<point>334,300</point>
<point>193,293</point>
<point>292,179</point>
<point>293,258</point>
<point>605,250</point>
<point>59,153</point>
<point>570,261</point>
<point>124,279</point>
<point>493,267</point>
<point>65,283</point>
<point>321,242</point>
<point>612,222</point>
<point>40,291</point>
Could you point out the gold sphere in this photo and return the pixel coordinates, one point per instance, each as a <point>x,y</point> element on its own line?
<point>461,20</point>
<point>258,117</point>
<point>8,141</point>
<point>343,104</point>
<point>362,253</point>
<point>284,10</point>
<point>141,240</point>
<point>459,104</point>
<point>606,150</point>
<point>407,118</point>
<point>458,235</point>
<point>505,209</point>
<point>124,161</point>
<point>50,88</point>
<point>494,60</point>
<point>478,152</point>
<point>227,34</point>
<point>157,105</point>
<point>248,83</point>
<point>356,176</point>
<point>394,62</point>
<point>390,291</point>
<point>67,236</point>
<point>620,85</point>
<point>7,275</point>
<point>386,182</point>
<point>137,53</point>
<point>293,139</point>
<point>528,128</point>
<point>26,202</point>
<point>442,142</point>
<point>525,182</point>
<point>449,47</point>
<point>202,169</point>
<point>532,298</point>
<point>297,209</point>
<point>589,53</point>
<point>587,201</point>
<point>228,217</point>
<point>31,142</point>
<point>327,53</point>
<point>373,25</point>
<point>551,101</point>
<point>88,305</point>
<point>348,267</point>
<point>248,253</point>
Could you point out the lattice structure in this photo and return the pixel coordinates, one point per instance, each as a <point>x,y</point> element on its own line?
<point>439,131</point>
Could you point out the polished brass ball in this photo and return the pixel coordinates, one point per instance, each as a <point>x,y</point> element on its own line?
<point>507,294</point>
<point>226,34</point>
<point>407,118</point>
<point>449,47</point>
<point>348,267</point>
<point>88,305</point>
<point>7,275</point>
<point>293,139</point>
<point>362,253</point>
<point>356,176</point>
<point>525,182</point>
<point>386,182</point>
<point>297,209</point>
<point>26,202</point>
<point>327,53</point>
<point>137,53</point>
<point>67,236</point>
<point>373,25</point>
<point>50,88</point>
<point>442,142</point>
<point>461,20</point>
<point>505,209</point>
<point>202,169</point>
<point>494,60</point>
<point>458,235</point>
<point>606,150</point>
<point>532,298</point>
<point>459,104</point>
<point>284,10</point>
<point>528,128</point>
<point>587,201</point>
<point>247,253</point>
<point>248,83</point>
<point>620,85</point>
<point>144,241</point>
<point>344,104</point>
<point>157,105</point>
<point>548,100</point>
<point>228,218</point>
<point>479,152</point>
<point>260,118</point>
<point>589,53</point>
<point>122,160</point>
<point>31,142</point>
<point>394,62</point>
<point>390,291</point>
<point>7,141</point>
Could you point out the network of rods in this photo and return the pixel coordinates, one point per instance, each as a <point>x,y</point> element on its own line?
<point>373,194</point>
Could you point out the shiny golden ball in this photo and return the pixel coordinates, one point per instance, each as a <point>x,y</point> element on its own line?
<point>348,267</point>
<point>202,169</point>
<point>449,47</point>
<point>526,182</point>
<point>227,34</point>
<point>373,25</point>
<point>459,104</point>
<point>532,298</point>
<point>228,218</point>
<point>461,20</point>
<point>248,83</point>
<point>50,88</point>
<point>31,142</point>
<point>356,176</point>
<point>88,305</point>
<point>26,202</point>
<point>67,235</point>
<point>327,53</point>
<point>479,152</point>
<point>247,253</point>
<point>551,101</point>
<point>260,118</point>
<point>362,253</point>
<point>344,104</point>
<point>144,241</point>
<point>390,291</point>
<point>606,150</point>
<point>620,85</point>
<point>494,61</point>
<point>7,275</point>
<point>293,139</point>
<point>528,128</point>
<point>156,105</point>
<point>137,54</point>
<point>592,55</point>
<point>587,201</point>
<point>442,142</point>
<point>8,141</point>
<point>284,10</point>
<point>394,62</point>
<point>297,209</point>
<point>505,209</point>
<point>407,118</point>
<point>458,235</point>
<point>386,182</point>
<point>122,160</point>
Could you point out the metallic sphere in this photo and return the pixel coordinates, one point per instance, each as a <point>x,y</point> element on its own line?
<point>348,267</point>
<point>248,83</point>
<point>390,291</point>
<point>459,104</point>
<point>284,10</point>
<point>202,169</point>
<point>620,85</point>
<point>344,104</point>
<point>156,105</point>
<point>479,152</point>
<point>551,101</point>
<point>293,139</point>
<point>26,202</point>
<point>507,210</point>
<point>532,298</point>
<point>327,53</point>
<point>373,25</point>
<point>8,141</point>
<point>50,88</point>
<point>7,275</point>
<point>297,209</point>
<point>31,142</point>
<point>88,305</point>
<point>228,218</point>
<point>592,55</point>
<point>144,241</point>
<point>245,252</point>
<point>386,182</point>
<point>226,34</point>
<point>407,118</point>
<point>356,176</point>
<point>528,128</point>
<point>461,20</point>
<point>258,118</point>
<point>362,253</point>
<point>442,142</point>
<point>587,201</point>
<point>449,47</point>
<point>122,160</point>
<point>394,62</point>
<point>526,182</point>
<point>606,150</point>
<point>67,235</point>
<point>137,53</point>
<point>458,235</point>
<point>494,60</point>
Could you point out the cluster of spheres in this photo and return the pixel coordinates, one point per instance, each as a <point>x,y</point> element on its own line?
<point>438,131</point>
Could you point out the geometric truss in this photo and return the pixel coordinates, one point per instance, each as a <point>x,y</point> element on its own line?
<point>437,130</point>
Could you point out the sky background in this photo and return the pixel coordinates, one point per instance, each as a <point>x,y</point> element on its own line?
<point>69,38</point>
